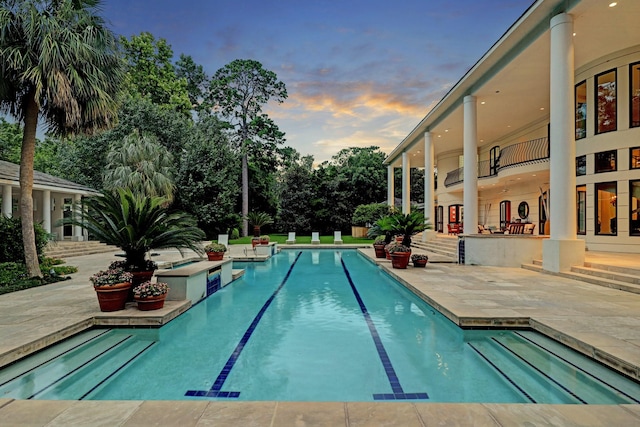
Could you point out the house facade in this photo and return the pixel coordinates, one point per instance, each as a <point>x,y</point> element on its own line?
<point>53,199</point>
<point>544,129</point>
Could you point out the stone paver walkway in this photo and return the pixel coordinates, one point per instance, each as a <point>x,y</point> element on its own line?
<point>596,320</point>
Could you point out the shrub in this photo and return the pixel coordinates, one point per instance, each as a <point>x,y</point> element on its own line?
<point>366,215</point>
<point>11,249</point>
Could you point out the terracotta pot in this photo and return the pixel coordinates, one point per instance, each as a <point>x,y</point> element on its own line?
<point>141,277</point>
<point>113,298</point>
<point>254,242</point>
<point>151,303</point>
<point>421,263</point>
<point>387,255</point>
<point>400,259</point>
<point>264,242</point>
<point>215,256</point>
<point>380,252</point>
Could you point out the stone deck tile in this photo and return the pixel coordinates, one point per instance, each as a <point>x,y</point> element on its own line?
<point>596,319</point>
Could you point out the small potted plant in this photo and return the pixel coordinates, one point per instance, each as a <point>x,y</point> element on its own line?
<point>215,251</point>
<point>419,260</point>
<point>112,288</point>
<point>150,296</point>
<point>264,239</point>
<point>399,255</point>
<point>378,246</point>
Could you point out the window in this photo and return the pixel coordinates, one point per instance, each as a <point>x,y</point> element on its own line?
<point>634,158</point>
<point>543,208</point>
<point>581,110</point>
<point>505,214</point>
<point>634,96</point>
<point>581,165</point>
<point>606,161</point>
<point>607,208</point>
<point>634,208</point>
<point>494,160</point>
<point>440,216</point>
<point>581,208</point>
<point>606,102</point>
<point>455,214</point>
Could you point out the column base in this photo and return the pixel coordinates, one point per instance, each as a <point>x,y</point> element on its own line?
<point>560,255</point>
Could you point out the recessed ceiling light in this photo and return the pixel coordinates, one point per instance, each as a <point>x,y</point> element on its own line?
<point>613,4</point>
<point>533,174</point>
<point>446,130</point>
<point>541,108</point>
<point>574,34</point>
<point>483,103</point>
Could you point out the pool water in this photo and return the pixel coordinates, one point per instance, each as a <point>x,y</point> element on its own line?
<point>315,325</point>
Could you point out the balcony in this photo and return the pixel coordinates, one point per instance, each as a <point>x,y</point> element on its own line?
<point>523,153</point>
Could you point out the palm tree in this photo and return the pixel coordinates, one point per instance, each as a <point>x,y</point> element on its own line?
<point>59,61</point>
<point>137,224</point>
<point>142,165</point>
<point>408,225</point>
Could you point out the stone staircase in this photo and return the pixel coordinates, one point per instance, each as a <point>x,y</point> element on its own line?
<point>67,249</point>
<point>611,276</point>
<point>441,249</point>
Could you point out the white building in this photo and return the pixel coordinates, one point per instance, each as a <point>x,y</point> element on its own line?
<point>53,199</point>
<point>550,114</point>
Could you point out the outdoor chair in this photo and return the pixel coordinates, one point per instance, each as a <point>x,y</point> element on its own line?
<point>528,228</point>
<point>315,238</point>
<point>223,239</point>
<point>292,238</point>
<point>337,237</point>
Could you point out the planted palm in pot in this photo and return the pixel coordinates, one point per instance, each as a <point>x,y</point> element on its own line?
<point>399,255</point>
<point>137,224</point>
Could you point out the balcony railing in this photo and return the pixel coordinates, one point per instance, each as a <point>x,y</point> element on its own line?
<point>528,152</point>
<point>523,153</point>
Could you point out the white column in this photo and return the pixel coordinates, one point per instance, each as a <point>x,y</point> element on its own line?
<point>7,201</point>
<point>470,151</point>
<point>46,210</point>
<point>406,184</point>
<point>429,185</point>
<point>563,249</point>
<point>391,199</point>
<point>77,230</point>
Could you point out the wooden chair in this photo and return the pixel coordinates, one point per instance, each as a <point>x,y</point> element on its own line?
<point>516,228</point>
<point>528,228</point>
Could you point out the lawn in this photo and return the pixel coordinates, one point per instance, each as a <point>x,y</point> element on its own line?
<point>282,238</point>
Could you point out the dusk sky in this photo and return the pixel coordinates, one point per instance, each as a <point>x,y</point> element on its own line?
<point>358,73</point>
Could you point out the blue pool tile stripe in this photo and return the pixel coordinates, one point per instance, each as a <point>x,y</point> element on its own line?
<point>578,367</point>
<point>513,383</point>
<point>398,392</point>
<point>216,388</point>
<point>540,371</point>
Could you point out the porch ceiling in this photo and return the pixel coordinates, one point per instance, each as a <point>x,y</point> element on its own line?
<point>514,92</point>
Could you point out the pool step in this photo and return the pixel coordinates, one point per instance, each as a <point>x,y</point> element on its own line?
<point>543,370</point>
<point>616,277</point>
<point>79,366</point>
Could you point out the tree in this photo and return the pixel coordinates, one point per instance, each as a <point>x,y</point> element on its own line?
<point>209,179</point>
<point>60,61</point>
<point>152,75</point>
<point>142,165</point>
<point>296,192</point>
<point>197,79</point>
<point>10,141</point>
<point>239,90</point>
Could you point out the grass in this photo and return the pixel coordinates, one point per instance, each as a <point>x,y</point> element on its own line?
<point>282,238</point>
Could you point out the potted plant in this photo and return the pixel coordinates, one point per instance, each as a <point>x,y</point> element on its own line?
<point>378,247</point>
<point>387,248</point>
<point>407,225</point>
<point>258,219</point>
<point>136,224</point>
<point>215,251</point>
<point>419,260</point>
<point>264,239</point>
<point>112,288</point>
<point>399,255</point>
<point>150,296</point>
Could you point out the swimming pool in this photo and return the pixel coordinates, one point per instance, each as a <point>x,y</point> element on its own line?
<point>315,325</point>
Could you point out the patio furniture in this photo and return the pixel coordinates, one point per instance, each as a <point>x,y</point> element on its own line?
<point>291,239</point>
<point>315,238</point>
<point>337,237</point>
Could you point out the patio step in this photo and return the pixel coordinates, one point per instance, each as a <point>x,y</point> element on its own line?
<point>445,247</point>
<point>64,249</point>
<point>615,277</point>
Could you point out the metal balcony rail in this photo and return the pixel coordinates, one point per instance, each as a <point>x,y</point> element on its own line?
<point>534,151</point>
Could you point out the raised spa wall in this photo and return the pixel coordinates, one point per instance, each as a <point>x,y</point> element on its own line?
<point>502,250</point>
<point>196,281</point>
